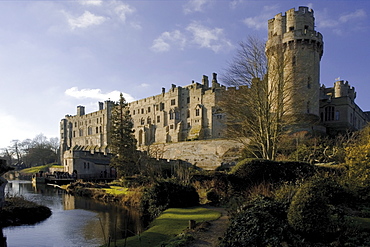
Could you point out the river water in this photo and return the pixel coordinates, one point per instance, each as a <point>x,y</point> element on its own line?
<point>75,221</point>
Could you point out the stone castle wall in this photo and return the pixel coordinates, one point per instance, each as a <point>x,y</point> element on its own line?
<point>206,154</point>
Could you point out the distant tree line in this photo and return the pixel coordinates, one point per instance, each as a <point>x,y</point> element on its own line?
<point>32,152</point>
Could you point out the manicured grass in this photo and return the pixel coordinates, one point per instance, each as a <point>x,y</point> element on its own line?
<point>169,224</point>
<point>116,190</point>
<point>35,169</point>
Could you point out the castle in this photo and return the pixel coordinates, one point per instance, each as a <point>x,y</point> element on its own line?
<point>192,113</point>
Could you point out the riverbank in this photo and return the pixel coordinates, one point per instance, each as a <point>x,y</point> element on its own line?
<point>18,211</point>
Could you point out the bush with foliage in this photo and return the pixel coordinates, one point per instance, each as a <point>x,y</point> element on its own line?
<point>167,194</point>
<point>315,209</point>
<point>256,171</point>
<point>358,161</point>
<point>263,222</point>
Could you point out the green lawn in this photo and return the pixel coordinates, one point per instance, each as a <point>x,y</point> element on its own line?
<point>116,190</point>
<point>169,224</point>
<point>36,169</point>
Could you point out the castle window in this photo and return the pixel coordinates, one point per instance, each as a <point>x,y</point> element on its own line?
<point>100,129</point>
<point>173,102</point>
<point>189,125</point>
<point>74,133</point>
<point>142,121</point>
<point>148,109</point>
<point>142,111</point>
<point>197,112</point>
<point>89,130</point>
<point>337,115</point>
<point>75,124</point>
<point>188,114</point>
<point>97,130</point>
<point>158,119</point>
<point>156,107</point>
<point>161,106</point>
<point>329,113</point>
<point>171,126</point>
<point>291,28</point>
<point>188,100</point>
<point>148,120</point>
<point>81,132</point>
<point>133,113</point>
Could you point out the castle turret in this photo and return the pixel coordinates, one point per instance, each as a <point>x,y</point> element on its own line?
<point>294,50</point>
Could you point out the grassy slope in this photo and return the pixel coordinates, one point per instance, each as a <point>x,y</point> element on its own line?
<point>169,224</point>
<point>36,169</point>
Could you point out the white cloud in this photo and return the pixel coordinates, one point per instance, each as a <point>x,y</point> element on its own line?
<point>201,35</point>
<point>208,38</point>
<point>91,2</point>
<point>85,20</point>
<point>144,85</point>
<point>122,10</point>
<point>360,13</point>
<point>259,22</point>
<point>167,39</point>
<point>194,6</point>
<point>96,94</point>
<point>324,21</point>
<point>234,3</point>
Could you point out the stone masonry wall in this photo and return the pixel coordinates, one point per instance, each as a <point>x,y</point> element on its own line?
<point>206,154</point>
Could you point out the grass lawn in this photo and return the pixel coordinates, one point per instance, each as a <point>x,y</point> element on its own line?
<point>169,224</point>
<point>36,169</point>
<point>116,190</point>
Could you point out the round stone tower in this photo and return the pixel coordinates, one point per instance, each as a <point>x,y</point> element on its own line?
<point>294,50</point>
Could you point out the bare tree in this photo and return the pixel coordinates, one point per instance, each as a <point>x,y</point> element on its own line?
<point>254,104</point>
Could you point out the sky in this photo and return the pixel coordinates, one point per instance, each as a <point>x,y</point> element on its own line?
<point>56,55</point>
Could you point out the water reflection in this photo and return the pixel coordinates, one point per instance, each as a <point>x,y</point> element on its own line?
<point>76,221</point>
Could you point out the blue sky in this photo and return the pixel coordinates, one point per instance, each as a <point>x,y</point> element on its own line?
<point>55,55</point>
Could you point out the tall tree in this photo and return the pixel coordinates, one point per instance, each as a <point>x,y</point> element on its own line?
<point>123,142</point>
<point>255,110</point>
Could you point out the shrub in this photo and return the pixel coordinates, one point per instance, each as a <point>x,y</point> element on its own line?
<point>167,194</point>
<point>314,210</point>
<point>262,222</point>
<point>256,171</point>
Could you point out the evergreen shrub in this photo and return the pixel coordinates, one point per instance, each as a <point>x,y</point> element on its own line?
<point>263,222</point>
<point>255,171</point>
<point>167,194</point>
<point>315,208</point>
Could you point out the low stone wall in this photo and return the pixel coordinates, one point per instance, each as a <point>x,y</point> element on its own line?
<point>206,154</point>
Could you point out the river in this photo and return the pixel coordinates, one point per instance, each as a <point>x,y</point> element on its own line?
<point>75,221</point>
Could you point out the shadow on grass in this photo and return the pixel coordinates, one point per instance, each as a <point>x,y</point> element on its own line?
<point>169,224</point>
